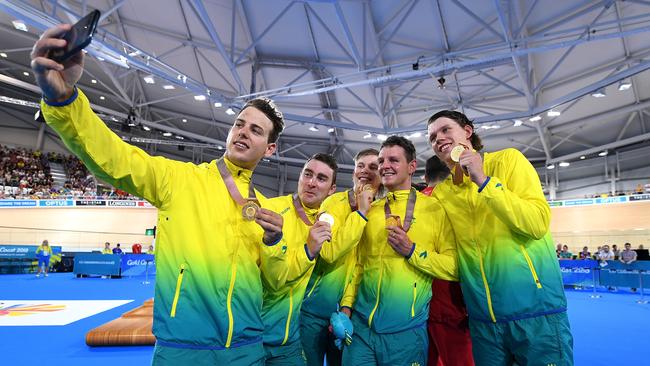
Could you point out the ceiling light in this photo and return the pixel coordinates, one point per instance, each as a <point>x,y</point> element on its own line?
<point>550,166</point>
<point>602,153</point>
<point>20,25</point>
<point>218,105</point>
<point>381,137</point>
<point>565,164</point>
<point>367,136</point>
<point>230,112</point>
<point>184,120</point>
<point>553,113</point>
<point>416,135</point>
<point>199,97</point>
<point>624,85</point>
<point>536,118</point>
<point>180,137</point>
<point>583,157</point>
<point>146,128</point>
<point>25,73</point>
<point>313,128</point>
<point>167,134</point>
<point>131,123</point>
<point>102,97</point>
<point>149,79</point>
<point>181,77</point>
<point>518,123</point>
<point>2,54</point>
<point>220,147</point>
<point>600,93</point>
<point>93,81</point>
<point>101,58</point>
<point>168,87</point>
<point>330,130</point>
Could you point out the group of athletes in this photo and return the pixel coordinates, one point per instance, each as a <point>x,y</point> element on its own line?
<point>243,279</point>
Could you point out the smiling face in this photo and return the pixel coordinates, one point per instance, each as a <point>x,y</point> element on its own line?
<point>445,134</point>
<point>247,141</point>
<point>366,171</point>
<point>315,183</point>
<point>394,169</point>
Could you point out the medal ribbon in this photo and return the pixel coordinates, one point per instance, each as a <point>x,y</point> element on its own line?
<point>352,200</point>
<point>300,210</point>
<point>231,186</point>
<point>410,207</point>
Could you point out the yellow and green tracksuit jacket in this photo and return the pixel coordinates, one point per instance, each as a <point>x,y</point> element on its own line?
<point>41,249</point>
<point>388,291</point>
<point>293,266</point>
<point>107,251</point>
<point>337,258</point>
<point>507,262</point>
<point>208,292</point>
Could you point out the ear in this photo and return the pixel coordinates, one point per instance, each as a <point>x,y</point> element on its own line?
<point>270,149</point>
<point>469,131</point>
<point>412,166</point>
<point>332,189</point>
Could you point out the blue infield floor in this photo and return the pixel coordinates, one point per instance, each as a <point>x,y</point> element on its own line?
<point>611,330</point>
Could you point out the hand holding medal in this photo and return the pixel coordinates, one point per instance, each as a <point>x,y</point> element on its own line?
<point>327,218</point>
<point>319,233</point>
<point>250,208</point>
<point>468,162</point>
<point>397,237</point>
<point>393,220</point>
<point>364,196</point>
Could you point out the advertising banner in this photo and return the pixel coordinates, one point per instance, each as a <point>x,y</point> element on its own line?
<point>97,264</point>
<point>579,272</point>
<point>55,203</point>
<point>17,203</point>
<point>23,251</point>
<point>91,203</point>
<point>138,265</point>
<point>123,203</point>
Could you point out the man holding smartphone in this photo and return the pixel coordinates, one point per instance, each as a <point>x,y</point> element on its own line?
<point>208,295</point>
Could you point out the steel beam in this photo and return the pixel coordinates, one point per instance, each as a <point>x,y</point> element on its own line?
<point>202,13</point>
<point>595,150</point>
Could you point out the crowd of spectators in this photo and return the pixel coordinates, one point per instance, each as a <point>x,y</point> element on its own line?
<point>604,253</point>
<point>25,174</point>
<point>25,170</point>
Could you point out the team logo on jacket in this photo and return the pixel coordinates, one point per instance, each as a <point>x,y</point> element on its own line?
<point>423,254</point>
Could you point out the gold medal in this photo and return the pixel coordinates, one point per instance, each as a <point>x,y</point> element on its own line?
<point>249,210</point>
<point>456,152</point>
<point>368,188</point>
<point>327,218</point>
<point>392,220</point>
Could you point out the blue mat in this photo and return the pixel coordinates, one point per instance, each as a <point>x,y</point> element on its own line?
<point>611,330</point>
<point>65,345</point>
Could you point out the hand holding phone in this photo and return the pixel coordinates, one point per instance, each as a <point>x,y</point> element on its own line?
<point>57,79</point>
<point>77,38</point>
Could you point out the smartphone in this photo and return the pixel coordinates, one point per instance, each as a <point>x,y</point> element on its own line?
<point>78,37</point>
